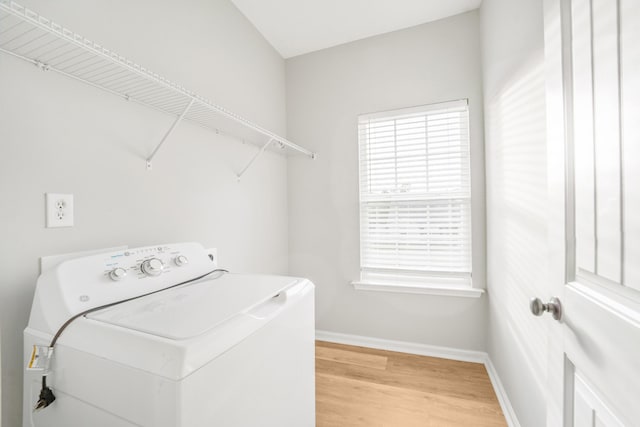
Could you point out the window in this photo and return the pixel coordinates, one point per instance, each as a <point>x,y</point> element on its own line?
<point>415,201</point>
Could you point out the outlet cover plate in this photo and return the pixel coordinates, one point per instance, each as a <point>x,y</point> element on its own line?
<point>59,210</point>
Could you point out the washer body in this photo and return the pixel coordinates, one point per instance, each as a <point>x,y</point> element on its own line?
<point>234,350</point>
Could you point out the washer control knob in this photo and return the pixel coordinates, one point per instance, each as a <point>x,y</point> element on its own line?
<point>181,260</point>
<point>117,274</point>
<point>152,267</point>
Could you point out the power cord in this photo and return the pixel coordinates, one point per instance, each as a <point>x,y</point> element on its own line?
<point>47,397</point>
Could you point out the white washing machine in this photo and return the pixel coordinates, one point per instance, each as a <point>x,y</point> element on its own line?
<point>225,350</point>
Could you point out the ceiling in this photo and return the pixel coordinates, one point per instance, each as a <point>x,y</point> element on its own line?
<point>295,27</point>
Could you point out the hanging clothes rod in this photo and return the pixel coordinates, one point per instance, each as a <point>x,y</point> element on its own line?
<point>26,35</point>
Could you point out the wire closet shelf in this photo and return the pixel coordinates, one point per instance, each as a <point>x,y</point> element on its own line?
<point>34,38</point>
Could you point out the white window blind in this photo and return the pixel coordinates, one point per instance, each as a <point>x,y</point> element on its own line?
<point>415,201</point>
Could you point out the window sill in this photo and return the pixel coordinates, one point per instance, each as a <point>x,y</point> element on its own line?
<point>465,292</point>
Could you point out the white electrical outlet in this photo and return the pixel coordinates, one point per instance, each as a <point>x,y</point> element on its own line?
<point>59,210</point>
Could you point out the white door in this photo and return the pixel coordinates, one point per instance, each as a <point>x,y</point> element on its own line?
<point>592,59</point>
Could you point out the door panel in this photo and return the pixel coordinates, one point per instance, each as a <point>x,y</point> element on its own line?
<point>630,91</point>
<point>589,409</point>
<point>601,340</point>
<point>606,113</point>
<point>592,50</point>
<point>584,151</point>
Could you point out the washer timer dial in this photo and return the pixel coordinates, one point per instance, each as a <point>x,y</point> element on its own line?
<point>152,267</point>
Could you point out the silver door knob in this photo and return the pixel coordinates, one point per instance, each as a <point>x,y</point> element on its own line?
<point>553,306</point>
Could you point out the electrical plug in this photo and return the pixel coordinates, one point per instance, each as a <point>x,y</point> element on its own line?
<point>46,398</point>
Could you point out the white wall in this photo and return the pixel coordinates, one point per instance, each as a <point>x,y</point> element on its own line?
<point>326,91</point>
<point>514,96</point>
<point>58,135</point>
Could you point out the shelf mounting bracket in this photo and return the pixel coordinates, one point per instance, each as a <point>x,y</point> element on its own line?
<point>255,157</point>
<point>169,132</point>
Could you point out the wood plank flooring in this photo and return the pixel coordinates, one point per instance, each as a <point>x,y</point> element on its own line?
<point>357,386</point>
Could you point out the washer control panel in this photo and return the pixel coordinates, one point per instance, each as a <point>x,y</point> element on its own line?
<point>146,262</point>
<point>95,280</point>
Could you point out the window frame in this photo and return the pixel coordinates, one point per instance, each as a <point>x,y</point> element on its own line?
<point>416,281</point>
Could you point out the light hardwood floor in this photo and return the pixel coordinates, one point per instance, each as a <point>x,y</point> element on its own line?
<point>357,386</point>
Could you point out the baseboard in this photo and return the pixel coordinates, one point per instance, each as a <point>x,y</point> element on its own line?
<point>403,347</point>
<point>431,351</point>
<point>501,393</point>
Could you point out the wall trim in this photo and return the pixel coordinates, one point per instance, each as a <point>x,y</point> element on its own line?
<point>501,393</point>
<point>431,351</point>
<point>403,347</point>
<point>449,291</point>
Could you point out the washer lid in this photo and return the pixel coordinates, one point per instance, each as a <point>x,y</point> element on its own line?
<point>191,310</point>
